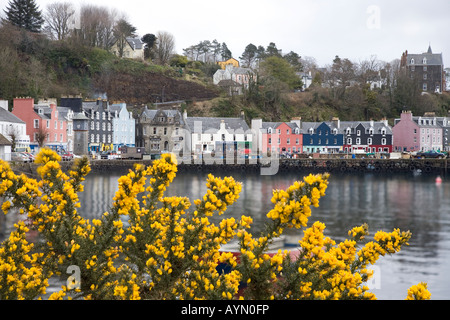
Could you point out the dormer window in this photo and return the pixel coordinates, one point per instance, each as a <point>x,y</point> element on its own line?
<point>311,130</point>
<point>424,60</point>
<point>412,61</point>
<point>269,130</point>
<point>40,111</point>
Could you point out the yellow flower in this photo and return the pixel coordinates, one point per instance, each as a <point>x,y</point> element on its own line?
<point>419,292</point>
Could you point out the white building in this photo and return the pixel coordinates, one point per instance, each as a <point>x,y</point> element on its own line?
<point>12,128</point>
<point>124,126</point>
<point>219,135</point>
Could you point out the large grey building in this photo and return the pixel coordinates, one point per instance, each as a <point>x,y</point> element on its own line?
<point>161,131</point>
<point>427,69</point>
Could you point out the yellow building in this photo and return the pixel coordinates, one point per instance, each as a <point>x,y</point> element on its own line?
<point>231,61</point>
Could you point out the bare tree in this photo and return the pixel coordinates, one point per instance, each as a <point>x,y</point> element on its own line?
<point>57,18</point>
<point>97,25</point>
<point>165,46</point>
<point>41,136</point>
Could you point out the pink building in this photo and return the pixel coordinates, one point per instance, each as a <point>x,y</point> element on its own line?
<point>281,137</point>
<point>417,133</point>
<point>42,119</point>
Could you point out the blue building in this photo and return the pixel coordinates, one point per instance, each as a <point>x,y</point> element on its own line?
<point>322,137</point>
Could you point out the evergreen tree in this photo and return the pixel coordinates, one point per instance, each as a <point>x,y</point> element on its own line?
<point>24,14</point>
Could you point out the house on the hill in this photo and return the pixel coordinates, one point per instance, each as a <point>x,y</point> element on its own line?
<point>133,49</point>
<point>233,79</point>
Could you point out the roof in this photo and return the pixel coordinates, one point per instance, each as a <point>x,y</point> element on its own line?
<point>135,43</point>
<point>4,141</point>
<point>432,59</point>
<point>7,116</point>
<point>150,114</point>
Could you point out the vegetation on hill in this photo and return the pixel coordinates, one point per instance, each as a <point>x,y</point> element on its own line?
<point>32,65</point>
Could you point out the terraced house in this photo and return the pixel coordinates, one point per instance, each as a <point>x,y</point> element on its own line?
<point>420,133</point>
<point>45,125</point>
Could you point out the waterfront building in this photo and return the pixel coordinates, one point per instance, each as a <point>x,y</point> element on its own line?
<point>45,126</point>
<point>418,133</point>
<point>124,126</point>
<point>322,137</point>
<point>160,131</point>
<point>219,135</point>
<point>367,136</point>
<point>281,137</point>
<point>13,128</point>
<point>100,125</point>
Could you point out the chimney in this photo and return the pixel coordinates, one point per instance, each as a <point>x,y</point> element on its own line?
<point>298,121</point>
<point>242,115</point>
<point>336,122</point>
<point>4,104</point>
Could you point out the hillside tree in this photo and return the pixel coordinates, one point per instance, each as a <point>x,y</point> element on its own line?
<point>24,14</point>
<point>249,55</point>
<point>165,46</point>
<point>149,40</point>
<point>57,18</point>
<point>123,30</point>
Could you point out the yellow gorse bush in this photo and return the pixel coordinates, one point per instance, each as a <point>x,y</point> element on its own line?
<point>149,246</point>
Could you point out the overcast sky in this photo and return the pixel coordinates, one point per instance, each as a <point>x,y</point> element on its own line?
<point>354,29</point>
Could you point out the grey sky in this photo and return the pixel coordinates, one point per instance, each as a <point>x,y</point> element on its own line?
<point>354,29</point>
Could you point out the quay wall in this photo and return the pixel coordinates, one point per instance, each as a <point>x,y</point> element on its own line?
<point>440,166</point>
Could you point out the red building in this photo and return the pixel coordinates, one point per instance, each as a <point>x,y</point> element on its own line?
<point>42,120</point>
<point>281,137</point>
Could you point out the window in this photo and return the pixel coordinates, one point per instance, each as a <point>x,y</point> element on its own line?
<point>425,88</point>
<point>98,126</point>
<point>383,141</point>
<point>270,140</point>
<point>358,141</point>
<point>425,77</point>
<point>412,61</point>
<point>48,124</point>
<point>287,131</point>
<point>288,141</point>
<point>369,141</point>
<point>425,69</point>
<point>349,141</point>
<point>36,123</point>
<point>154,131</point>
<point>103,126</point>
<point>358,132</point>
<point>297,141</point>
<point>424,60</point>
<point>61,137</point>
<point>98,138</point>
<point>61,124</point>
<point>269,130</point>
<point>92,138</point>
<point>165,131</point>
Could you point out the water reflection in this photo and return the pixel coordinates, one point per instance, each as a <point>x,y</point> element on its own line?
<point>385,202</point>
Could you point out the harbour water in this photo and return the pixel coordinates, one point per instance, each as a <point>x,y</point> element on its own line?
<point>406,201</point>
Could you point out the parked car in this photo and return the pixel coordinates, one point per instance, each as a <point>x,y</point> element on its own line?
<point>30,156</point>
<point>20,157</point>
<point>431,155</point>
<point>67,156</point>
